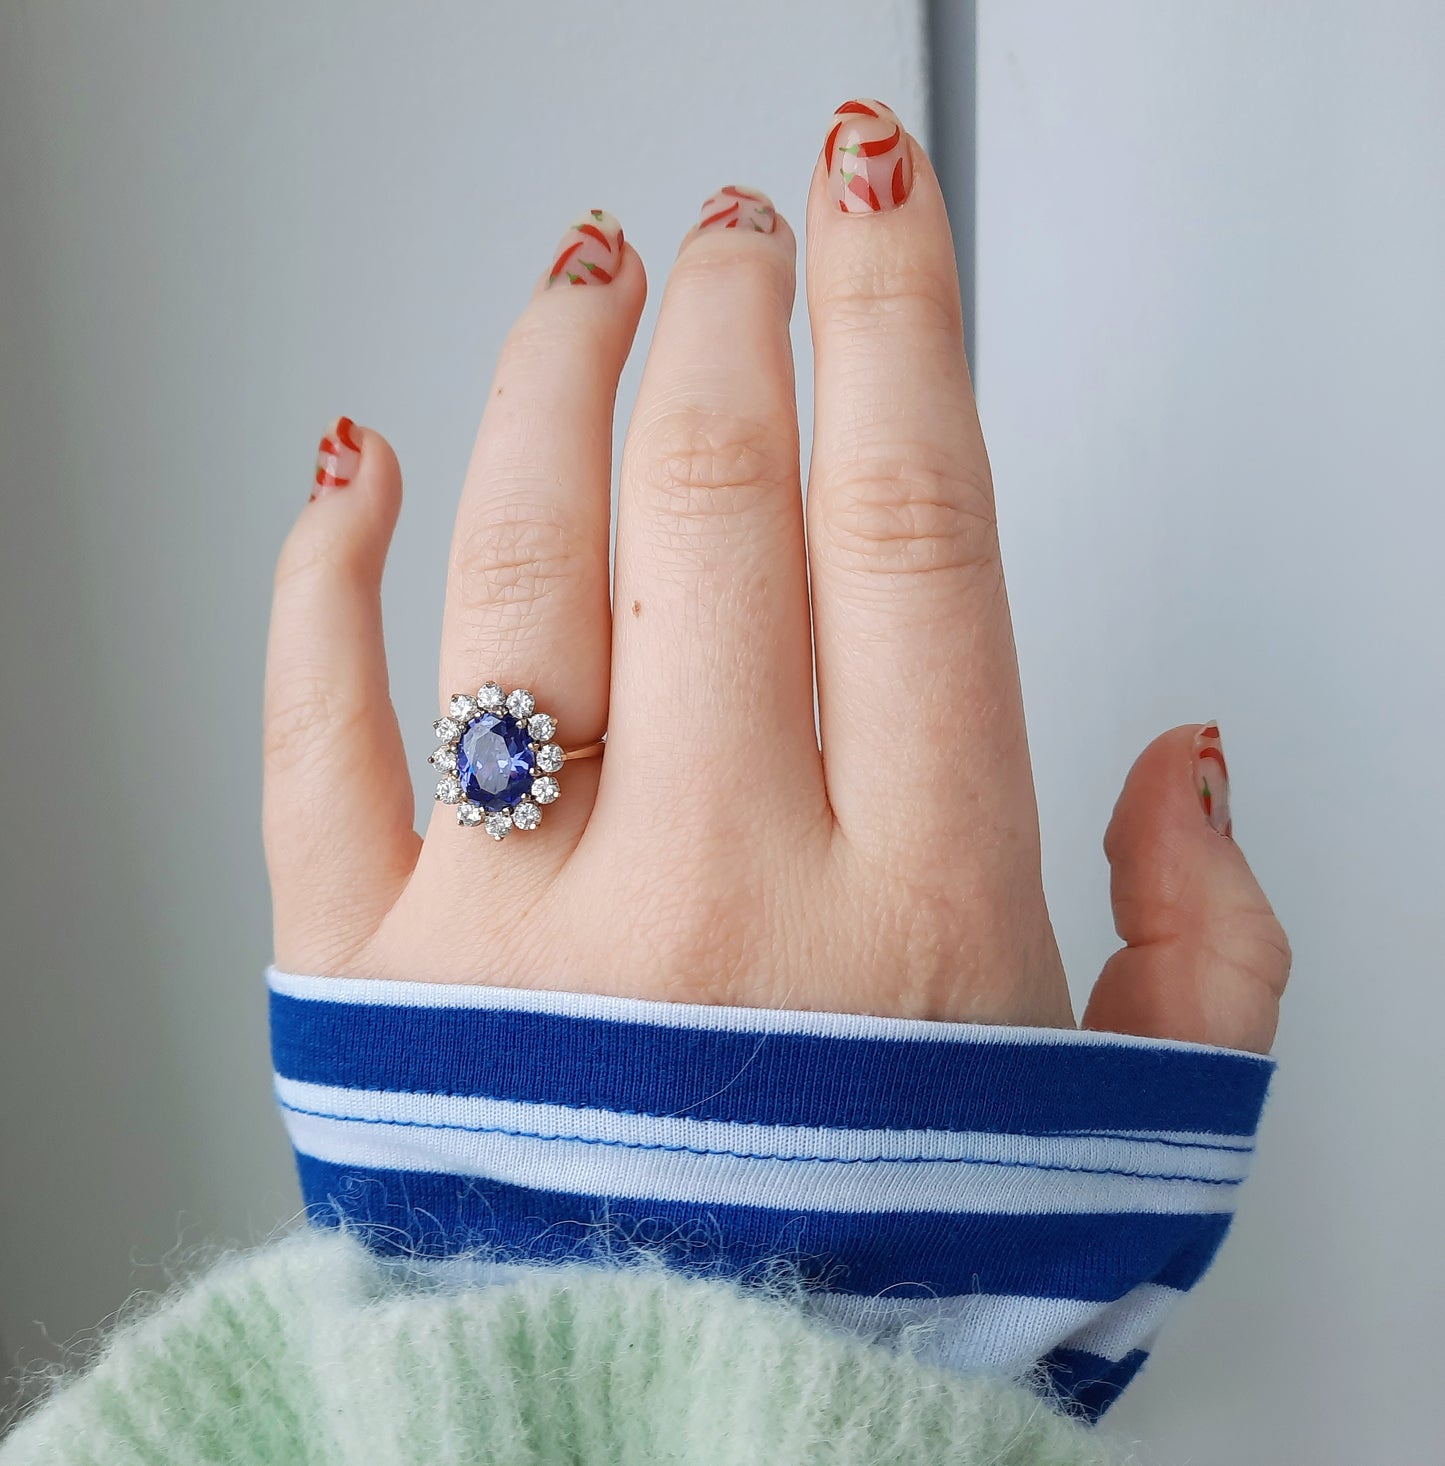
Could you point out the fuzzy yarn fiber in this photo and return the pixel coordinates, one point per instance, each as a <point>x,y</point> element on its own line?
<point>311,1352</point>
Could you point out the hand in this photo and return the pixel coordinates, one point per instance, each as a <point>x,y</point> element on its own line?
<point>714,854</point>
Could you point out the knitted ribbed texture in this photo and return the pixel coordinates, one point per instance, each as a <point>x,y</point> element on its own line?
<point>312,1353</point>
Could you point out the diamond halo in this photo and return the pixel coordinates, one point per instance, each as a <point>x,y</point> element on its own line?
<point>497,759</point>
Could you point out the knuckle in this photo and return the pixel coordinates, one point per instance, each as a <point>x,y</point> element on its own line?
<point>306,559</point>
<point>708,466</point>
<point>517,551</point>
<point>713,266</point>
<point>535,345</point>
<point>302,720</point>
<point>1255,946</point>
<point>905,512</point>
<point>893,291</point>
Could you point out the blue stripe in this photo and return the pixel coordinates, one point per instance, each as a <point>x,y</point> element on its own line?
<point>767,1079</point>
<point>1089,1383</point>
<point>908,1254</point>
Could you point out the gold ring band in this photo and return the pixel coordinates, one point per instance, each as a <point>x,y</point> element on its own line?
<point>591,750</point>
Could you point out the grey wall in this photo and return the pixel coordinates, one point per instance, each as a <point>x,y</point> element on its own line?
<point>1210,315</point>
<point>220,226</point>
<point>1209,309</point>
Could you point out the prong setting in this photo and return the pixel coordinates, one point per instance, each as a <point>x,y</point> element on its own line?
<point>497,759</point>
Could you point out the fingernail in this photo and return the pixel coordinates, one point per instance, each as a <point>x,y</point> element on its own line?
<point>338,457</point>
<point>590,252</point>
<point>1211,778</point>
<point>869,167</point>
<point>732,207</point>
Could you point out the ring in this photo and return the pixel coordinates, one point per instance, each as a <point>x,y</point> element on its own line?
<point>498,760</point>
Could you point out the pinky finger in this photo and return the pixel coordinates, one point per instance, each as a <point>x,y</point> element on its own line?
<point>339,849</point>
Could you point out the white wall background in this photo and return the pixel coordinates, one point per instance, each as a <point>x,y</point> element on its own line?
<point>1209,314</point>
<point>1211,308</point>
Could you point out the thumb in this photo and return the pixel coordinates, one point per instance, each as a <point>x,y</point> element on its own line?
<point>1205,958</point>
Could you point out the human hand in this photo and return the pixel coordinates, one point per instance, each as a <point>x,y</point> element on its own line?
<point>715,854</point>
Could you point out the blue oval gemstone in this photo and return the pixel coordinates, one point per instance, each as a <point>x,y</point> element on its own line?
<point>495,761</point>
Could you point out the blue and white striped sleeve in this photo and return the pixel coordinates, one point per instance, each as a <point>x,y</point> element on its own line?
<point>1040,1197</point>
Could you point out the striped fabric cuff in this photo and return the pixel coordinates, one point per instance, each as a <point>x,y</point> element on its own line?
<point>1041,1197</point>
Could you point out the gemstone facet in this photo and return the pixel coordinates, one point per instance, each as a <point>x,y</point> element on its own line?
<point>527,816</point>
<point>468,814</point>
<point>495,763</point>
<point>498,823</point>
<point>549,758</point>
<point>545,789</point>
<point>541,726</point>
<point>521,704</point>
<point>491,697</point>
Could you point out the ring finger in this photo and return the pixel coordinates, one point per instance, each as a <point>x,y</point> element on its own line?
<point>527,588</point>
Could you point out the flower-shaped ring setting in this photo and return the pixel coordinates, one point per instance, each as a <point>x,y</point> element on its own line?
<point>499,759</point>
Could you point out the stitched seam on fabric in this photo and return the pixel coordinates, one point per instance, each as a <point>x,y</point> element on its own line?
<point>1134,1138</point>
<point>511,1099</point>
<point>764,1156</point>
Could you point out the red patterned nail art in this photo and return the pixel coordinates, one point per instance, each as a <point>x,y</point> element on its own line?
<point>1211,778</point>
<point>590,252</point>
<point>738,208</point>
<point>869,167</point>
<point>338,457</point>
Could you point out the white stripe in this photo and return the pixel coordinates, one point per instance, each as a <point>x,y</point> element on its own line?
<point>958,1184</point>
<point>707,1016</point>
<point>1000,1333</point>
<point>485,1115</point>
<point>1129,1324</point>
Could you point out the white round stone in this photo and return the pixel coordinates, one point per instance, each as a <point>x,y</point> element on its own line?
<point>447,729</point>
<point>490,696</point>
<point>449,790</point>
<point>545,790</point>
<point>550,758</point>
<point>445,758</point>
<point>521,704</point>
<point>499,823</point>
<point>463,707</point>
<point>527,816</point>
<point>469,814</point>
<point>541,727</point>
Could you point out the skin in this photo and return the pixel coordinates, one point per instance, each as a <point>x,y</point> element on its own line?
<point>896,870</point>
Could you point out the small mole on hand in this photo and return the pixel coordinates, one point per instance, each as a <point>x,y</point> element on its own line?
<point>637,608</point>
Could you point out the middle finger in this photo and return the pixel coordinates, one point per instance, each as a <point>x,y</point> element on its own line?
<point>710,626</point>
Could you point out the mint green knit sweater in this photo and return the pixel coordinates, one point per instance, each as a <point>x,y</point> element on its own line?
<point>311,1352</point>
